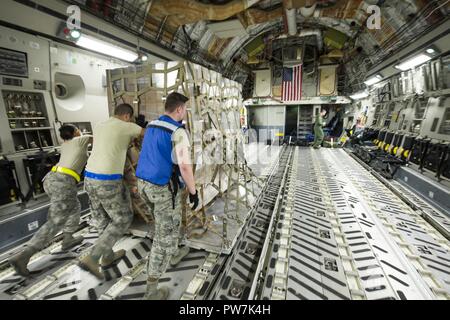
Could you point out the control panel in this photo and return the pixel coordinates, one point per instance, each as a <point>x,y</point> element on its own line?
<point>28,120</point>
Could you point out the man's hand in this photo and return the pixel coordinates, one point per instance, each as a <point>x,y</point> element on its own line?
<point>134,192</point>
<point>194,200</point>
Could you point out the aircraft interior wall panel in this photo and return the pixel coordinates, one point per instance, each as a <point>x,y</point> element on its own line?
<point>84,76</point>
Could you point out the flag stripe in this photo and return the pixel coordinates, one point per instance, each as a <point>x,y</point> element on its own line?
<point>295,82</point>
<point>292,83</point>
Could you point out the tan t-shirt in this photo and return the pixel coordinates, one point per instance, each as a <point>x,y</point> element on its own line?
<point>74,153</point>
<point>111,140</point>
<point>182,145</point>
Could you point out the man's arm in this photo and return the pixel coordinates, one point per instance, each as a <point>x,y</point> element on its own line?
<point>183,159</point>
<point>85,140</point>
<point>185,164</point>
<point>186,168</point>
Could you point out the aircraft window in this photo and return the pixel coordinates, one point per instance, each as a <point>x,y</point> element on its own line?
<point>395,87</point>
<point>377,114</point>
<point>419,108</point>
<point>445,125</point>
<point>446,72</point>
<point>387,121</point>
<point>405,125</point>
<point>401,123</point>
<point>435,124</point>
<point>416,126</point>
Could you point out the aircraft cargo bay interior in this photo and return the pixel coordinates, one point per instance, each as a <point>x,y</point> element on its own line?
<point>225,150</point>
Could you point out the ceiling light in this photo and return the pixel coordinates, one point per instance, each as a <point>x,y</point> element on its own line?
<point>430,50</point>
<point>75,34</point>
<point>413,62</point>
<point>373,80</point>
<point>360,95</point>
<point>106,48</point>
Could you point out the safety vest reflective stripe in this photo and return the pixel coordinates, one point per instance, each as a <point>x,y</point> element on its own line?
<point>164,124</point>
<point>68,172</point>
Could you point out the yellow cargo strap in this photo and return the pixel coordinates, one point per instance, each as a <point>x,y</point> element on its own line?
<point>69,172</point>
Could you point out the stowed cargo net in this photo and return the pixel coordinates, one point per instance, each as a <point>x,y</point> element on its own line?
<point>226,185</point>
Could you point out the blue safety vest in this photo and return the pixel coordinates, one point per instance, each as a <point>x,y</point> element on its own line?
<point>155,163</point>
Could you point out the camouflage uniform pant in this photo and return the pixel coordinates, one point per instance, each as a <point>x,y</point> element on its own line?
<point>167,226</point>
<point>318,136</point>
<point>64,211</point>
<point>111,213</point>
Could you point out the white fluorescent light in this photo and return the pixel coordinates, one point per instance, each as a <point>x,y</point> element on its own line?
<point>106,48</point>
<point>373,80</point>
<point>75,34</point>
<point>413,62</point>
<point>430,50</point>
<point>360,95</point>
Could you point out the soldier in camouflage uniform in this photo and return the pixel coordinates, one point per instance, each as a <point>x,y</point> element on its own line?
<point>164,160</point>
<point>318,129</point>
<point>61,186</point>
<point>109,196</point>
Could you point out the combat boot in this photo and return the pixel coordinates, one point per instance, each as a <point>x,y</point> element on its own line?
<point>20,261</point>
<point>183,252</point>
<point>153,293</point>
<point>89,264</point>
<point>108,261</point>
<point>69,241</point>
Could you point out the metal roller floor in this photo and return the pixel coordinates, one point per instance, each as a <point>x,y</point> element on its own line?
<point>347,236</point>
<point>323,228</point>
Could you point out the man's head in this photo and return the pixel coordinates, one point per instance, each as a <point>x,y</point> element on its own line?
<point>124,112</point>
<point>323,112</point>
<point>140,121</point>
<point>176,106</point>
<point>69,131</point>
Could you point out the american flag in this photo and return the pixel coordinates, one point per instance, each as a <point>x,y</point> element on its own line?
<point>292,83</point>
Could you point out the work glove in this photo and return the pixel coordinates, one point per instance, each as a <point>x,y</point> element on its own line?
<point>194,200</point>
<point>140,121</point>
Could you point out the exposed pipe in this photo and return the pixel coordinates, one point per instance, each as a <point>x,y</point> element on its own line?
<point>308,11</point>
<point>291,17</point>
<point>309,32</point>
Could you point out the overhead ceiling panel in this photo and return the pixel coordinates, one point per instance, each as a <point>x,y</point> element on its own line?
<point>228,29</point>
